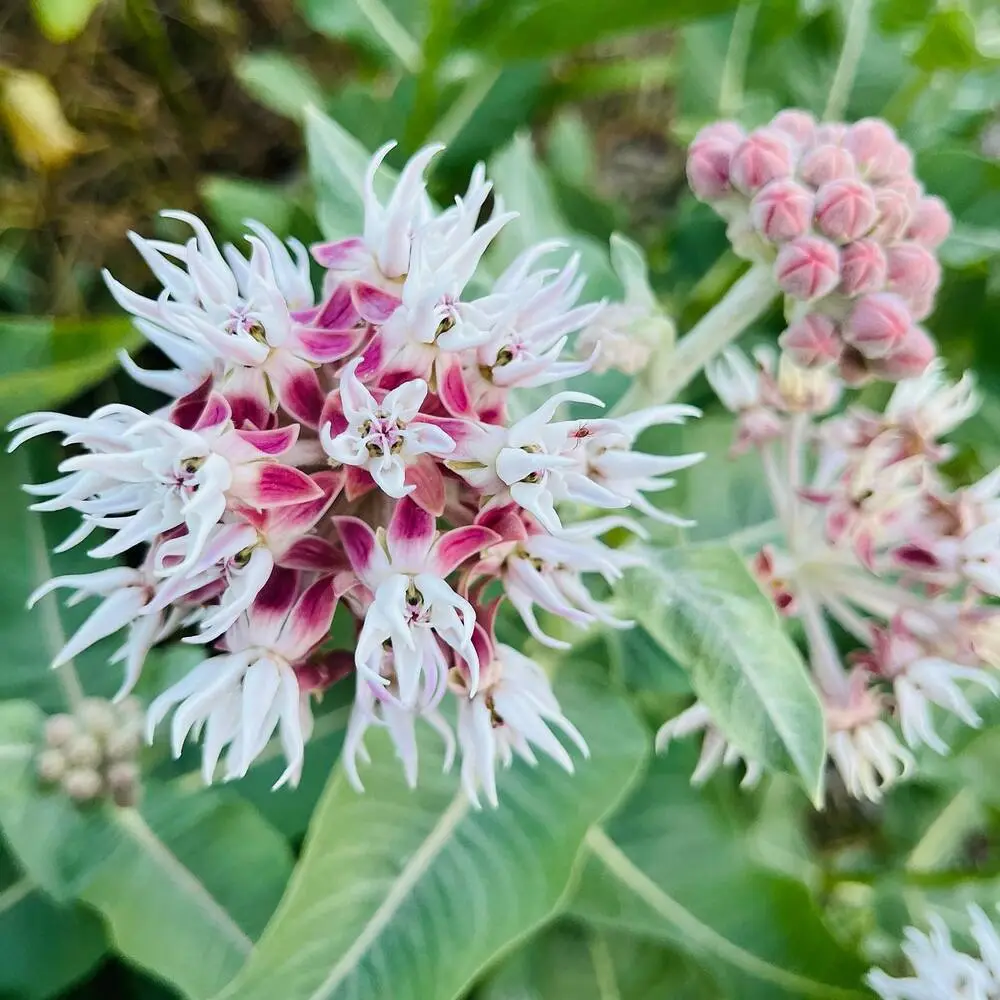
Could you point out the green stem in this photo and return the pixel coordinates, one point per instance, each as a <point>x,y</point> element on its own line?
<point>850,55</point>
<point>735,66</point>
<point>397,39</point>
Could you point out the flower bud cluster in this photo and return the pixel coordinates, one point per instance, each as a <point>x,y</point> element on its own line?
<point>91,753</point>
<point>849,230</point>
<point>879,546</point>
<point>307,448</point>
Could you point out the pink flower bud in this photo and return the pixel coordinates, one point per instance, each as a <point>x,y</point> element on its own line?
<point>900,161</point>
<point>863,268</point>
<point>724,131</point>
<point>931,222</point>
<point>873,144</point>
<point>782,210</point>
<point>913,274</point>
<point>826,163</point>
<point>878,324</point>
<point>765,155</point>
<point>893,215</point>
<point>910,359</point>
<point>845,210</point>
<point>800,125</point>
<point>708,169</point>
<point>830,132</point>
<point>807,267</point>
<point>812,341</point>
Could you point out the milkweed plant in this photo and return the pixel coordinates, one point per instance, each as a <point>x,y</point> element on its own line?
<point>354,429</point>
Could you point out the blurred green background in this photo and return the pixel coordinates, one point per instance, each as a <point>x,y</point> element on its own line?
<point>113,109</point>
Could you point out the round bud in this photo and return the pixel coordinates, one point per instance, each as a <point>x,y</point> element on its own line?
<point>812,341</point>
<point>124,743</point>
<point>725,131</point>
<point>83,751</point>
<point>900,164</point>
<point>914,275</point>
<point>51,765</point>
<point>863,268</point>
<point>878,324</point>
<point>82,784</point>
<point>807,268</point>
<point>826,163</point>
<point>894,213</point>
<point>830,132</point>
<point>845,209</point>
<point>123,781</point>
<point>800,125</point>
<point>764,156</point>
<point>911,359</point>
<point>708,169</point>
<point>873,144</point>
<point>130,710</point>
<point>97,716</point>
<point>781,210</point>
<point>60,729</point>
<point>930,223</point>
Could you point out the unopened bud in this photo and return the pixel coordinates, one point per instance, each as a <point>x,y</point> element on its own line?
<point>873,144</point>
<point>878,325</point>
<point>764,156</point>
<point>845,209</point>
<point>863,268</point>
<point>812,341</point>
<point>914,275</point>
<point>724,131</point>
<point>800,125</point>
<point>82,784</point>
<point>60,729</point>
<point>83,751</point>
<point>708,169</point>
<point>911,359</point>
<point>97,717</point>
<point>807,268</point>
<point>826,163</point>
<point>894,213</point>
<point>782,210</point>
<point>930,224</point>
<point>51,766</point>
<point>123,782</point>
<point>124,743</point>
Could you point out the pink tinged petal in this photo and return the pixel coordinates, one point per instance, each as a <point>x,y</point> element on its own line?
<point>363,551</point>
<point>216,412</point>
<point>311,553</point>
<point>114,613</point>
<point>357,483</point>
<point>268,484</point>
<point>273,442</point>
<point>322,345</point>
<point>247,394</point>
<point>272,604</point>
<point>505,520</point>
<point>372,303</point>
<point>411,532</point>
<point>341,255</point>
<point>332,420</point>
<point>427,485</point>
<point>373,357</point>
<point>297,387</point>
<point>459,544</point>
<point>287,522</point>
<point>483,644</point>
<point>309,621</point>
<point>325,671</point>
<point>187,411</point>
<point>452,390</point>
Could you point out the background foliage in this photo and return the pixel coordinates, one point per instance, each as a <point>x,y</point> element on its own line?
<point>622,883</point>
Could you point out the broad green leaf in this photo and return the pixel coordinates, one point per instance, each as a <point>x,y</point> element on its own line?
<point>44,362</point>
<point>409,894</point>
<point>46,947</point>
<point>337,165</point>
<point>185,882</point>
<point>384,26</point>
<point>585,963</point>
<point>703,606</point>
<point>279,82</point>
<point>672,865</point>
<point>62,20</point>
<point>949,41</point>
<point>232,200</point>
<point>532,28</point>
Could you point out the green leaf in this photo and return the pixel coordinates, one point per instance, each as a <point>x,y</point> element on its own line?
<point>703,606</point>
<point>62,20</point>
<point>45,947</point>
<point>409,894</point>
<point>526,29</point>
<point>387,27</point>
<point>671,866</point>
<point>232,200</point>
<point>185,882</point>
<point>279,82</point>
<point>949,40</point>
<point>46,362</point>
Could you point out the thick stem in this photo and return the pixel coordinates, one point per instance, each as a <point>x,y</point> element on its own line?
<point>714,332</point>
<point>735,66</point>
<point>850,55</point>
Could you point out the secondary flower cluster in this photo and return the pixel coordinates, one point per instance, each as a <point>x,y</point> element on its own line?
<point>940,970</point>
<point>307,451</point>
<point>877,548</point>
<point>849,230</point>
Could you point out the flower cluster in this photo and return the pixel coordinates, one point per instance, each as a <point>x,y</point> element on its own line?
<point>877,548</point>
<point>940,970</point>
<point>851,235</point>
<point>306,451</point>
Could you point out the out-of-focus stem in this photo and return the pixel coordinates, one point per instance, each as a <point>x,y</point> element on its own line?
<point>854,43</point>
<point>795,444</point>
<point>825,660</point>
<point>715,331</point>
<point>734,68</point>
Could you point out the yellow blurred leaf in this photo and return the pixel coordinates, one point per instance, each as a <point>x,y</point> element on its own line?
<point>34,118</point>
